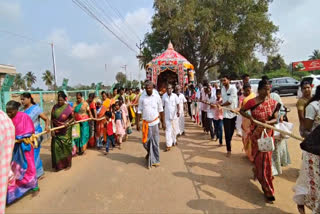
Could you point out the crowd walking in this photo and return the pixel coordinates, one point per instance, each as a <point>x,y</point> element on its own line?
<point>105,123</point>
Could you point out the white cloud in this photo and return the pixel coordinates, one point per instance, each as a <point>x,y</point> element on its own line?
<point>10,11</point>
<point>59,37</point>
<point>83,50</point>
<point>80,61</point>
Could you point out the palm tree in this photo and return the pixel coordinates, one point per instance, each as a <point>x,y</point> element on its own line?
<point>315,55</point>
<point>47,77</point>
<point>19,82</point>
<point>144,58</point>
<point>30,79</point>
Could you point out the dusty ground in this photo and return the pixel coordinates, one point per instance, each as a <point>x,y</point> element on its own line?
<point>196,177</point>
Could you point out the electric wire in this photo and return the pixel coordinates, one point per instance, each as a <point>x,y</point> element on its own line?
<point>91,13</point>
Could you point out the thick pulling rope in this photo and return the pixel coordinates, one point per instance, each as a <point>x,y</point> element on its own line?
<point>34,137</point>
<point>263,124</point>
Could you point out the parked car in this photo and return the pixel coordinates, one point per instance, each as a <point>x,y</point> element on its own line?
<point>285,85</point>
<point>314,80</point>
<point>254,85</point>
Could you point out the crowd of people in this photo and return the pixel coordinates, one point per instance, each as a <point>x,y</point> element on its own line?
<point>106,123</point>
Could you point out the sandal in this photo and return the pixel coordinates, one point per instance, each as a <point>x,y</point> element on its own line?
<point>301,209</point>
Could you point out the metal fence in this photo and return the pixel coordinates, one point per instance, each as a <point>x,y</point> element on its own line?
<point>45,99</point>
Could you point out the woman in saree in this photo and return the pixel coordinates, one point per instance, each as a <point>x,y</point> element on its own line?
<point>307,188</point>
<point>23,174</point>
<point>82,112</point>
<point>131,99</point>
<point>92,123</point>
<point>263,109</point>
<point>61,144</point>
<point>246,123</point>
<point>35,113</point>
<point>100,129</point>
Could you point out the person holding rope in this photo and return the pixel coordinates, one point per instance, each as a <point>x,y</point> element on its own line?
<point>35,113</point>
<point>263,109</point>
<point>23,174</point>
<point>61,143</point>
<point>230,100</point>
<point>82,112</point>
<point>92,123</point>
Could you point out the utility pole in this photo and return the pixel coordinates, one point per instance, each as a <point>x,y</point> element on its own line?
<point>140,57</point>
<point>54,66</point>
<point>125,69</point>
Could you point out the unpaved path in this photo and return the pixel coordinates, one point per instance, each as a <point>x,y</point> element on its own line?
<point>195,177</point>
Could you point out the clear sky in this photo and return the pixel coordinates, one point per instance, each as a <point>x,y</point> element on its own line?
<point>83,47</point>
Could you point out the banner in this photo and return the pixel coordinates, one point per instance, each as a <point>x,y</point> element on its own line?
<point>311,65</point>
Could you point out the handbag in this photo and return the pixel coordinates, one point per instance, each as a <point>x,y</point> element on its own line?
<point>285,126</point>
<point>265,144</point>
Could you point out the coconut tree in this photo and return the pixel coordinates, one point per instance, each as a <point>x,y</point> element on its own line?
<point>30,78</point>
<point>19,82</point>
<point>315,55</point>
<point>47,77</point>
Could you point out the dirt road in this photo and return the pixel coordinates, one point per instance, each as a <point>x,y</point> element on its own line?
<point>195,177</point>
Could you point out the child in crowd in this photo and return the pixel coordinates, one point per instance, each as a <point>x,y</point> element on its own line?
<point>125,118</point>
<point>218,116</point>
<point>110,131</point>
<point>120,125</point>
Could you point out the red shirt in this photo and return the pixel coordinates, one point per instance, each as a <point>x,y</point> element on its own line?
<point>110,128</point>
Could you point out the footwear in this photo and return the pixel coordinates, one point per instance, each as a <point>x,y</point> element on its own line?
<point>270,198</point>
<point>168,149</point>
<point>220,145</point>
<point>105,153</point>
<point>228,154</point>
<point>301,209</point>
<point>156,164</point>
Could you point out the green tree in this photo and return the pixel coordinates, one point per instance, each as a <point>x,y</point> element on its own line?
<point>30,78</point>
<point>48,79</point>
<point>19,82</point>
<point>254,67</point>
<point>135,83</point>
<point>221,34</point>
<point>315,55</point>
<point>275,63</point>
<point>121,78</point>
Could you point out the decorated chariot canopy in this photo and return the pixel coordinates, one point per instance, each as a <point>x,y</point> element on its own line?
<point>170,60</point>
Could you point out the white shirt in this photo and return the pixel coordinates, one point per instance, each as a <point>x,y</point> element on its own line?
<point>210,113</point>
<point>313,113</point>
<point>150,107</point>
<point>170,106</point>
<point>230,96</point>
<point>182,100</point>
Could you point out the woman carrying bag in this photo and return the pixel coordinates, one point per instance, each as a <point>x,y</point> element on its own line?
<point>263,109</point>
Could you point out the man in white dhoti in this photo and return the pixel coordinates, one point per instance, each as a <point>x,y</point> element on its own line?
<point>170,102</point>
<point>151,110</point>
<point>182,101</point>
